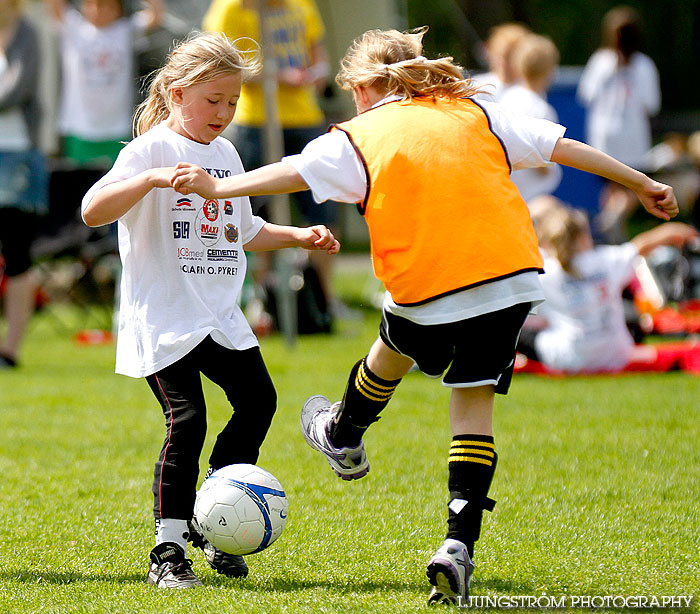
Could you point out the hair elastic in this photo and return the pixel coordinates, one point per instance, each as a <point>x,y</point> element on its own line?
<point>418,58</point>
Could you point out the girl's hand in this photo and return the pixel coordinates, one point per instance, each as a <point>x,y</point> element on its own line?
<point>160,177</point>
<point>658,199</point>
<point>320,238</point>
<point>188,178</point>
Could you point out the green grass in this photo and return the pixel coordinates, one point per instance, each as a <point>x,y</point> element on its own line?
<point>597,488</point>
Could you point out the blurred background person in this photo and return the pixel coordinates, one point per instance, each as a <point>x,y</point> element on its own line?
<point>620,89</point>
<point>23,176</point>
<point>98,77</point>
<point>500,44</point>
<point>297,37</point>
<point>582,325</point>
<point>534,59</point>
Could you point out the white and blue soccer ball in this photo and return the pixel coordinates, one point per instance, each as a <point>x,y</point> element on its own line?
<point>241,509</point>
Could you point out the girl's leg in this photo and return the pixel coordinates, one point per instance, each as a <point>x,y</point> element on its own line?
<point>178,389</point>
<point>370,386</point>
<point>472,462</point>
<point>244,378</point>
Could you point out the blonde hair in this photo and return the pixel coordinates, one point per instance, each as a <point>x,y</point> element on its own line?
<point>558,232</point>
<point>535,56</point>
<point>391,61</point>
<point>200,58</point>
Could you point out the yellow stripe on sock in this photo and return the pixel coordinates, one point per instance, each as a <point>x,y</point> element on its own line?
<point>367,388</point>
<point>466,450</point>
<point>364,376</point>
<point>469,442</point>
<point>469,459</point>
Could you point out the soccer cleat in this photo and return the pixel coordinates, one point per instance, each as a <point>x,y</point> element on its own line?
<point>231,565</point>
<point>170,569</point>
<point>317,414</point>
<point>450,572</point>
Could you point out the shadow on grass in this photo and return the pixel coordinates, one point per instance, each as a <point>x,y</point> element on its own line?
<point>257,585</point>
<point>35,576</point>
<point>267,585</point>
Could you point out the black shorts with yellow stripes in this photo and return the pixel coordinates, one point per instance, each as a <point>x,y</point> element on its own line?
<point>474,352</point>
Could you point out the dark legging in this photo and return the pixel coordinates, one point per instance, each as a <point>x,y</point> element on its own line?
<point>244,378</point>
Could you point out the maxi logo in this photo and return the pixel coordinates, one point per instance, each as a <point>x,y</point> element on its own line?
<point>208,226</point>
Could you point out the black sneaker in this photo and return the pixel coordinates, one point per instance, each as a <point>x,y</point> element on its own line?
<point>170,569</point>
<point>231,565</point>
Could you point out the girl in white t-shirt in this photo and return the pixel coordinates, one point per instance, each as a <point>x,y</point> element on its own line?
<point>183,269</point>
<point>581,326</point>
<point>452,240</point>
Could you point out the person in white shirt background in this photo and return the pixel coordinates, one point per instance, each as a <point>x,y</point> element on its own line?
<point>23,174</point>
<point>500,44</point>
<point>581,326</point>
<point>535,59</point>
<point>98,91</point>
<point>183,269</point>
<point>620,90</point>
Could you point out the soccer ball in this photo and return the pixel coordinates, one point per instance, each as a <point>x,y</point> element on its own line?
<point>241,509</point>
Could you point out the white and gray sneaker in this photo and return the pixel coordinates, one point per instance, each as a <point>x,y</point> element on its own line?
<point>450,572</point>
<point>170,569</point>
<point>317,414</point>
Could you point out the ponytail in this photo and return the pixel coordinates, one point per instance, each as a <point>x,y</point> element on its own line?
<point>392,61</point>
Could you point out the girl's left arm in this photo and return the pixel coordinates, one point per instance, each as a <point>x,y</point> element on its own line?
<point>657,198</point>
<point>273,236</point>
<point>277,178</point>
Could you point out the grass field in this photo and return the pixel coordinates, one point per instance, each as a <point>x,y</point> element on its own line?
<point>597,487</point>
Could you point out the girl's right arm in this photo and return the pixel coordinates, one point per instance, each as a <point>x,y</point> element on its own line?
<point>657,198</point>
<point>277,178</point>
<point>113,200</point>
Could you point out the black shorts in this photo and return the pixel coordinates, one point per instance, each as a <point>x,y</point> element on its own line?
<point>17,231</point>
<point>474,352</point>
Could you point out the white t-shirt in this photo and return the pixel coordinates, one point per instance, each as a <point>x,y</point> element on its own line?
<point>532,182</point>
<point>183,259</point>
<point>97,94</point>
<point>586,328</point>
<point>620,101</point>
<point>332,169</point>
<point>14,135</point>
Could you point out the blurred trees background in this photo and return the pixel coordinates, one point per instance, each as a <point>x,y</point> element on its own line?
<point>672,29</point>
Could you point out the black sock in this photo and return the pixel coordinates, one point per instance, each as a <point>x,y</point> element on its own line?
<point>365,396</point>
<point>471,467</point>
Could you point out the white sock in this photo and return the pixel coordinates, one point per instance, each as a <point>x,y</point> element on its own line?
<point>172,530</point>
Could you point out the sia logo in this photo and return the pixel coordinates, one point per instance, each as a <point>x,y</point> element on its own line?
<point>231,233</point>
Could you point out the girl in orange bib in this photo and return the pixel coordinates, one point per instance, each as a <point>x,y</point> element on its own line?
<point>453,243</point>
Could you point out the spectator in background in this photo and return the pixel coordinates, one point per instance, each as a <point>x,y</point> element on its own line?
<point>297,40</point>
<point>581,326</point>
<point>502,39</point>
<point>23,177</point>
<point>98,78</point>
<point>620,89</point>
<point>535,59</point>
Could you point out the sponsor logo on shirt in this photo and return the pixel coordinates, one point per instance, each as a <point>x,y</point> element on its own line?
<point>222,254</point>
<point>185,253</point>
<point>198,269</point>
<point>211,210</point>
<point>208,225</point>
<point>231,233</point>
<point>183,204</point>
<point>228,207</point>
